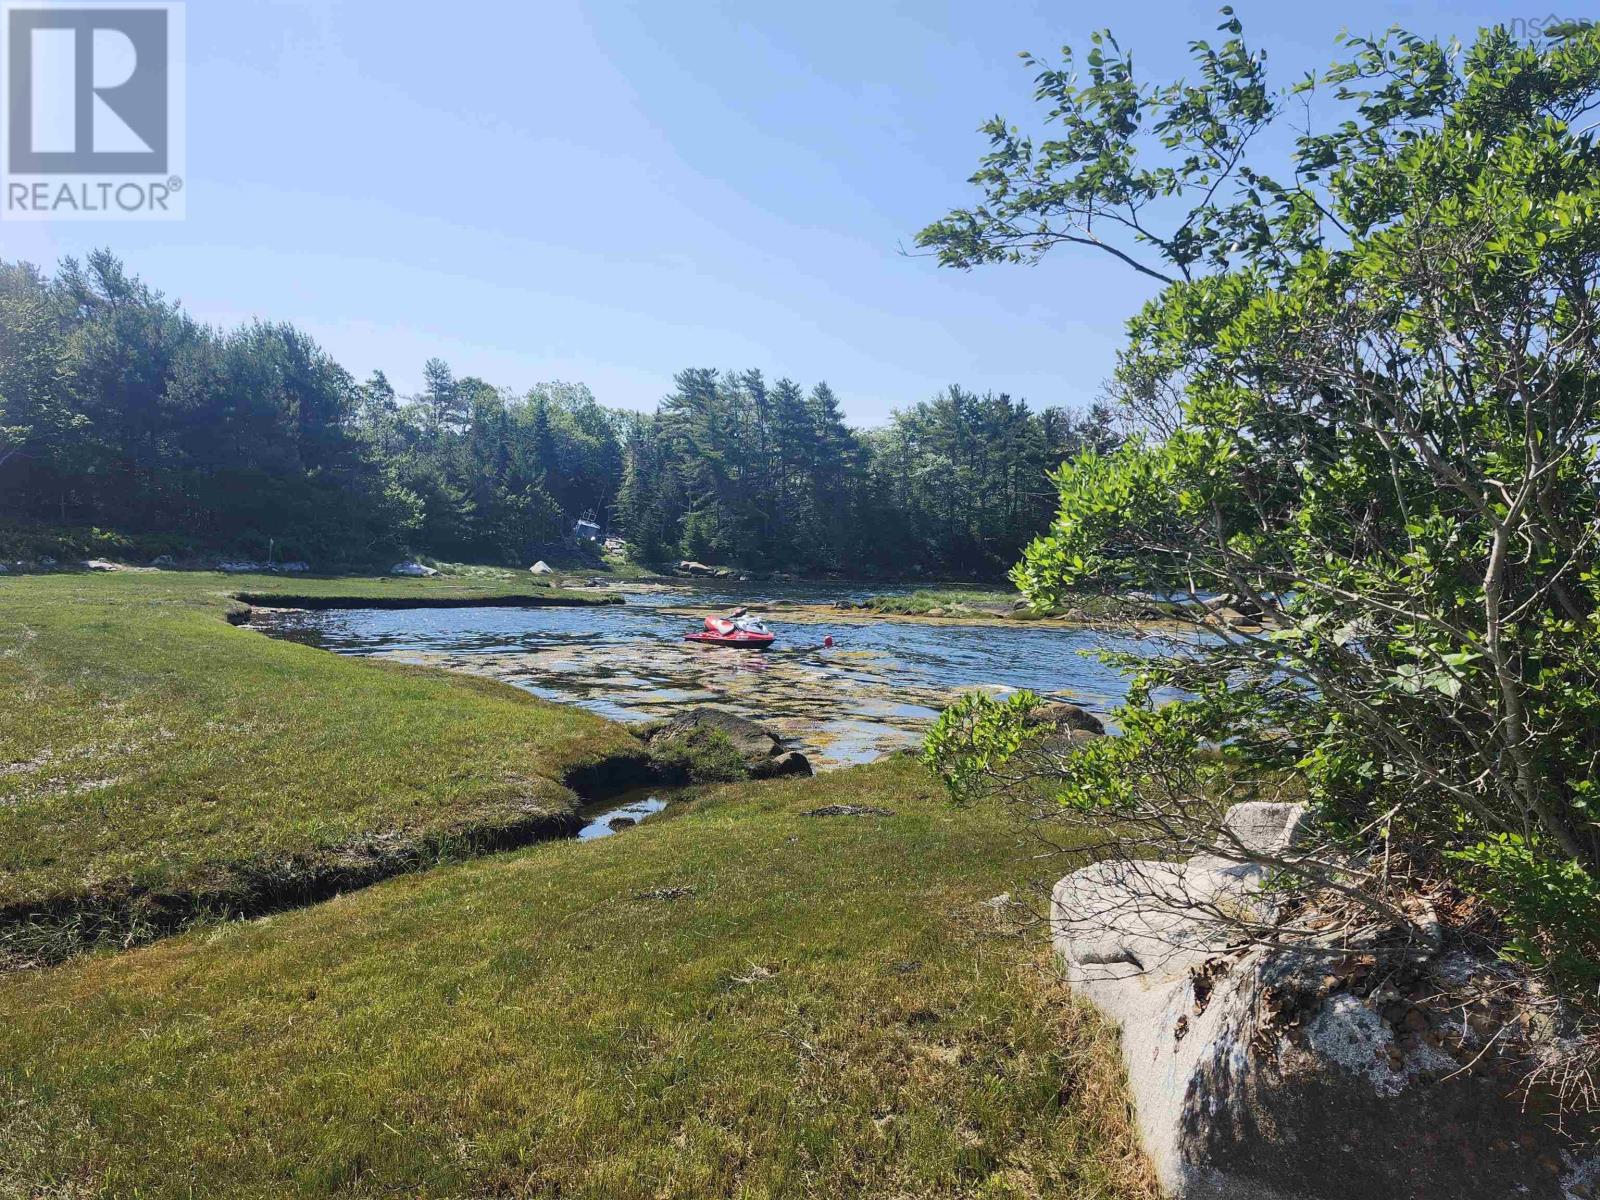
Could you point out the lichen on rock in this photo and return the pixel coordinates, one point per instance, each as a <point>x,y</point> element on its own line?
<point>1317,1071</point>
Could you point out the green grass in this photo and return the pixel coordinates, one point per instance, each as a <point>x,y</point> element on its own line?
<point>156,761</point>
<point>30,541</point>
<point>919,603</point>
<point>831,1011</point>
<point>736,999</point>
<point>483,585</point>
<point>566,565</point>
<point>977,602</point>
<point>703,755</point>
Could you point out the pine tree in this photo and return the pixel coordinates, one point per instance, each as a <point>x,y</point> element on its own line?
<point>441,396</point>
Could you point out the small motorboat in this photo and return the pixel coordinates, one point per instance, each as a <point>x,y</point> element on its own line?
<point>736,629</point>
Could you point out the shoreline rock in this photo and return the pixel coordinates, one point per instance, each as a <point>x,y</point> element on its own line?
<point>1296,1074</point>
<point>789,763</point>
<point>1066,718</point>
<point>760,750</point>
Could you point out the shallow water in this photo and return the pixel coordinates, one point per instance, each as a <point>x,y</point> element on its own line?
<point>599,821</point>
<point>875,690</point>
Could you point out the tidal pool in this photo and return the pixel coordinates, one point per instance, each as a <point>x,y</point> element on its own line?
<point>603,820</point>
<point>875,690</point>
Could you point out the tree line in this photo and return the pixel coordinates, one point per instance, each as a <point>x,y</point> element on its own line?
<point>119,410</point>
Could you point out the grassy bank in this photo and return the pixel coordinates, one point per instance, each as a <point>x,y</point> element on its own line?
<point>740,1001</point>
<point>976,602</point>
<point>942,601</point>
<point>483,586</point>
<point>288,596</point>
<point>156,762</point>
<point>610,568</point>
<point>30,541</point>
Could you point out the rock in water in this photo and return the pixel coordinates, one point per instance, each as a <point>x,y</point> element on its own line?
<point>760,750</point>
<point>1263,1074</point>
<point>753,742</point>
<point>791,762</point>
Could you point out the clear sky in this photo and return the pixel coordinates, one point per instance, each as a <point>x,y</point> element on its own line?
<point>610,192</point>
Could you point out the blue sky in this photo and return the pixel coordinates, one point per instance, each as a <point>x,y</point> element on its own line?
<point>609,192</point>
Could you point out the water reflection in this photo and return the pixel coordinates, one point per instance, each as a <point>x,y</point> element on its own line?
<point>604,820</point>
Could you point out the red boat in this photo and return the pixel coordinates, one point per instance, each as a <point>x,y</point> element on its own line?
<point>735,630</point>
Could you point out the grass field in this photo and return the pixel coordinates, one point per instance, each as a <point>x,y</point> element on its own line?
<point>829,1009</point>
<point>155,760</point>
<point>736,999</point>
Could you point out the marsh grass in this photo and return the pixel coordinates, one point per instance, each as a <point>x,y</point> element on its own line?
<point>918,603</point>
<point>956,602</point>
<point>156,760</point>
<point>740,1000</point>
<point>733,999</point>
<point>703,755</point>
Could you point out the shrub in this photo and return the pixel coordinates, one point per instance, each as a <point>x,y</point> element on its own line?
<point>1369,397</point>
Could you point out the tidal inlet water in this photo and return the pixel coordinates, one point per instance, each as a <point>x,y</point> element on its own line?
<point>875,690</point>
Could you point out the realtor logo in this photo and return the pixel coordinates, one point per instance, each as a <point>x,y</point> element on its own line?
<point>93,124</point>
